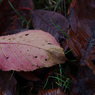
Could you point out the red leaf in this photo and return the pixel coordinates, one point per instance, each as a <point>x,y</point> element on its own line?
<point>29,51</point>
<point>73,3</point>
<point>81,33</point>
<point>82,21</point>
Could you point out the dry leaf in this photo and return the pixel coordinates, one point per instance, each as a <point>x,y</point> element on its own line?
<point>29,51</point>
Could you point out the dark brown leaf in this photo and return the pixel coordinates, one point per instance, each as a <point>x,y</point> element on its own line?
<point>7,84</point>
<point>81,41</point>
<point>85,84</point>
<point>89,55</point>
<point>27,4</point>
<point>57,91</point>
<point>41,21</point>
<point>11,22</point>
<point>29,76</point>
<point>81,33</point>
<point>82,21</point>
<point>6,14</point>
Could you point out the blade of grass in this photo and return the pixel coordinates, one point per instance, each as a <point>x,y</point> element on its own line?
<point>18,89</point>
<point>52,77</point>
<point>57,78</point>
<point>23,23</point>
<point>60,75</point>
<point>28,24</point>
<point>65,7</point>
<point>68,51</point>
<point>1,1</point>
<point>59,29</point>
<point>46,83</point>
<point>11,75</point>
<point>17,12</point>
<point>66,82</point>
<point>72,60</point>
<point>58,2</point>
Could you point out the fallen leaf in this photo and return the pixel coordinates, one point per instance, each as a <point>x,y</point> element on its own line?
<point>85,84</point>
<point>57,91</point>
<point>81,34</point>
<point>81,40</point>
<point>27,4</point>
<point>82,21</point>
<point>7,84</point>
<point>41,21</point>
<point>12,13</point>
<point>29,51</point>
<point>89,55</point>
<point>6,14</point>
<point>29,76</point>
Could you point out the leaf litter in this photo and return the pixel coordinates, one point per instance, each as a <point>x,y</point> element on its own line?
<point>79,26</point>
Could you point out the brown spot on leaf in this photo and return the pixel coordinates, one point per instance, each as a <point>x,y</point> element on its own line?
<point>50,43</point>
<point>20,36</point>
<point>7,57</point>
<point>35,56</point>
<point>13,38</point>
<point>3,38</point>
<point>45,59</point>
<point>26,34</point>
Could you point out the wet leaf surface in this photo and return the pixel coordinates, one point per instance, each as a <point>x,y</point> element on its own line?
<point>82,21</point>
<point>41,21</point>
<point>14,22</point>
<point>29,76</point>
<point>6,14</point>
<point>85,84</point>
<point>80,27</point>
<point>89,55</point>
<point>81,33</point>
<point>7,84</point>
<point>57,91</point>
<point>27,4</point>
